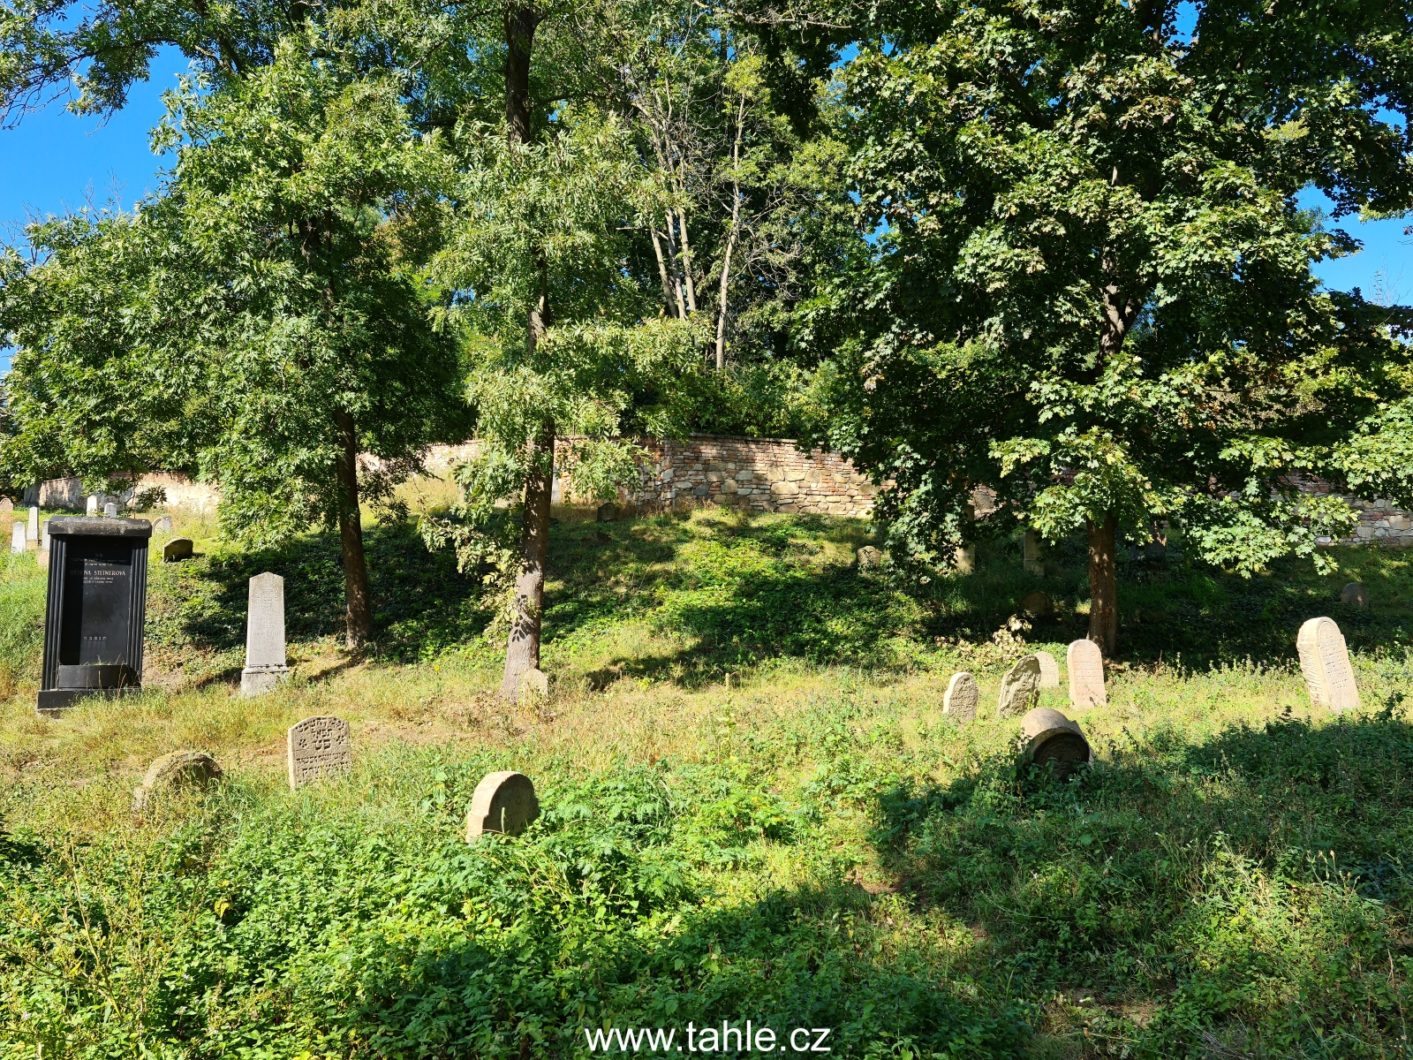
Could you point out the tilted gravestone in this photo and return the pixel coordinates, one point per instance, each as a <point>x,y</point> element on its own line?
<point>503,802</point>
<point>178,769</point>
<point>163,525</point>
<point>97,603</point>
<point>962,697</point>
<point>1324,660</point>
<point>17,537</point>
<point>1354,595</point>
<point>1085,663</point>
<point>1020,688</point>
<point>1050,738</point>
<point>1049,670</point>
<point>265,663</point>
<point>318,747</point>
<point>92,506</point>
<point>177,549</point>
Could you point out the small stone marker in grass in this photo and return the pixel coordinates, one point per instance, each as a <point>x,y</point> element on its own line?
<point>1050,738</point>
<point>91,507</point>
<point>1354,595</point>
<point>534,685</point>
<point>163,525</point>
<point>1049,670</point>
<point>6,505</point>
<point>1085,663</point>
<point>1324,660</point>
<point>176,550</point>
<point>869,557</point>
<point>606,513</point>
<point>964,559</point>
<point>178,769</point>
<point>1036,604</point>
<point>17,537</point>
<point>110,510</point>
<point>318,747</point>
<point>503,802</point>
<point>1019,688</point>
<point>265,664</point>
<point>962,697</point>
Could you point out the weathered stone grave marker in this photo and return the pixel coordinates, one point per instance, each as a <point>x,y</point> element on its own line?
<point>606,513</point>
<point>503,802</point>
<point>110,510</point>
<point>178,769</point>
<point>1048,737</point>
<point>265,663</point>
<point>1032,555</point>
<point>163,525</point>
<point>964,559</point>
<point>1354,595</point>
<point>1036,604</point>
<point>34,526</point>
<point>318,747</point>
<point>961,698</point>
<point>534,686</point>
<point>17,537</point>
<point>176,550</point>
<point>97,602</point>
<point>1085,663</point>
<point>868,557</point>
<point>92,506</point>
<point>6,506</point>
<point>1324,660</point>
<point>1020,688</point>
<point>1049,670</point>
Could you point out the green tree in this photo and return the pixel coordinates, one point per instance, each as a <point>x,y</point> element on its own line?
<point>1089,285</point>
<point>255,320</point>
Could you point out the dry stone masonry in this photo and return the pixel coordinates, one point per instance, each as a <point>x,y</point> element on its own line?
<point>962,697</point>
<point>318,747</point>
<point>503,802</point>
<point>1085,663</point>
<point>1324,661</point>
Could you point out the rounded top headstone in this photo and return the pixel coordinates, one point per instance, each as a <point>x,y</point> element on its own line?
<point>178,769</point>
<point>1050,738</point>
<point>1037,604</point>
<point>1354,595</point>
<point>1020,687</point>
<point>503,802</point>
<point>961,698</point>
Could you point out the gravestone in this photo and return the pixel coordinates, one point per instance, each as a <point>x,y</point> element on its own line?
<point>110,510</point>
<point>92,506</point>
<point>33,530</point>
<point>962,697</point>
<point>163,525</point>
<point>178,769</point>
<point>96,606</point>
<point>1085,663</point>
<point>964,559</point>
<point>1032,556</point>
<point>177,549</point>
<point>1050,738</point>
<point>534,685</point>
<point>1020,688</point>
<point>502,802</point>
<point>317,747</point>
<point>1036,604</point>
<point>1049,670</point>
<point>869,557</point>
<point>43,536</point>
<point>265,663</point>
<point>1354,595</point>
<point>606,513</point>
<point>6,505</point>
<point>1324,660</point>
<point>17,537</point>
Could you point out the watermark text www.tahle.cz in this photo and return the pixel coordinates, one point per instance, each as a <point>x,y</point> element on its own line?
<point>725,1039</point>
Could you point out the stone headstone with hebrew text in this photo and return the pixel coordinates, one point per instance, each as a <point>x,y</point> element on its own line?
<point>1049,670</point>
<point>1324,660</point>
<point>1020,688</point>
<point>318,747</point>
<point>1085,663</point>
<point>503,802</point>
<point>265,663</point>
<point>961,698</point>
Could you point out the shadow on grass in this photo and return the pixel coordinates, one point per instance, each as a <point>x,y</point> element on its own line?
<point>1256,887</point>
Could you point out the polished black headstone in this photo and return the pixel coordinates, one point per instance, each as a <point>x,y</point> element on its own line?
<point>96,605</point>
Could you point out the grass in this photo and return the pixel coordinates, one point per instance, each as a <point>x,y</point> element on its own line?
<point>812,846</point>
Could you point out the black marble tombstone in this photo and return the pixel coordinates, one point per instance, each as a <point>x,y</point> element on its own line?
<point>94,615</point>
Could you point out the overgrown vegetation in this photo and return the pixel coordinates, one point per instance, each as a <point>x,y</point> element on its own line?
<point>812,846</point>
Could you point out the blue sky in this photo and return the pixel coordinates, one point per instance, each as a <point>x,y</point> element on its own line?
<point>55,162</point>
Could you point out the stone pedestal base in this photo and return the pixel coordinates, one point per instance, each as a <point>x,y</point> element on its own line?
<point>258,682</point>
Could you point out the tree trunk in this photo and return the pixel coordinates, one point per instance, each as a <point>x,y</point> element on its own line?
<point>732,232</point>
<point>1103,585</point>
<point>522,649</point>
<point>358,612</point>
